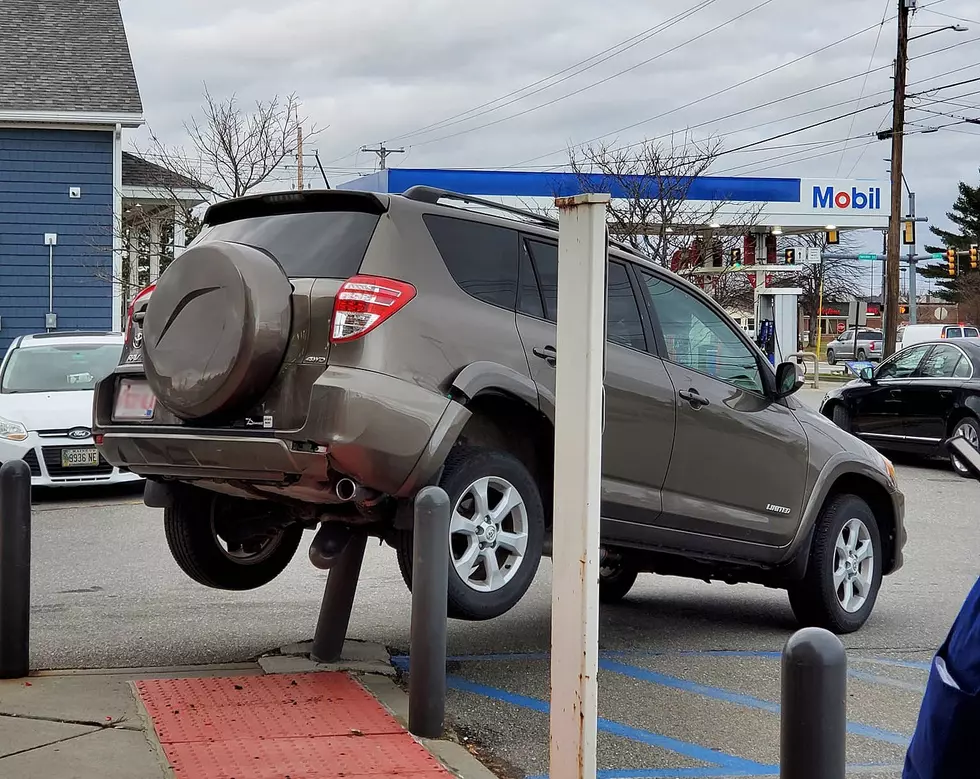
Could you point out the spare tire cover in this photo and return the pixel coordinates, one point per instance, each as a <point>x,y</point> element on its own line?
<point>216,329</point>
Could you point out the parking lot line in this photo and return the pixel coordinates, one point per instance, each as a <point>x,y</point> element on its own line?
<point>920,665</point>
<point>887,681</point>
<point>741,699</point>
<point>731,764</point>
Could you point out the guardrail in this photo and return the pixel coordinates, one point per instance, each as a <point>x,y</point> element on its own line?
<point>801,359</point>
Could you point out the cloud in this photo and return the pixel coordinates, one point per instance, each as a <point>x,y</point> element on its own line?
<point>386,69</point>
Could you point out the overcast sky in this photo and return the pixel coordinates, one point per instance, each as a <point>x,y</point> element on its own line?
<point>383,70</point>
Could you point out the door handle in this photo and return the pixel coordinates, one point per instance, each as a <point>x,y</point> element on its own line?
<point>548,353</point>
<point>693,397</point>
<point>945,393</point>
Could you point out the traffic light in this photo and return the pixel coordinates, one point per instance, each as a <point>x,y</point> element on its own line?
<point>791,256</point>
<point>951,260</point>
<point>973,256</point>
<point>833,237</point>
<point>735,258</point>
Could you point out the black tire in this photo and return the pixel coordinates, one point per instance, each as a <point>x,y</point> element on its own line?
<point>815,600</point>
<point>831,358</point>
<point>862,355</point>
<point>189,526</point>
<point>616,582</point>
<point>464,466</point>
<point>841,417</point>
<point>971,422</point>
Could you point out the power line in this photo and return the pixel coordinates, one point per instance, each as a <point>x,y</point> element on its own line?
<point>600,82</point>
<point>721,92</point>
<point>950,16</point>
<point>622,46</point>
<point>867,73</point>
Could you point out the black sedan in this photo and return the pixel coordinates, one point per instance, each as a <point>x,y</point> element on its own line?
<point>914,400</point>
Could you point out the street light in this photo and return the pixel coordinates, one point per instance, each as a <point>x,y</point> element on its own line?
<point>953,27</point>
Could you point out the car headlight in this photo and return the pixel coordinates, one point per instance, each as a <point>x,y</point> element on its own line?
<point>890,470</point>
<point>12,431</point>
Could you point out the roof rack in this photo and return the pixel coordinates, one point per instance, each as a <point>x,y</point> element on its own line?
<point>433,195</point>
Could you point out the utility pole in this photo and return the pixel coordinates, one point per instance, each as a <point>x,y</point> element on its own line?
<point>382,151</point>
<point>299,150</point>
<point>893,264</point>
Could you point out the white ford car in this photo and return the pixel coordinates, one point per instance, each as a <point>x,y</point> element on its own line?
<point>46,389</point>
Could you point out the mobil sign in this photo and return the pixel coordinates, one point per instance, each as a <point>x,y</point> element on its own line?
<point>856,198</point>
<point>842,197</point>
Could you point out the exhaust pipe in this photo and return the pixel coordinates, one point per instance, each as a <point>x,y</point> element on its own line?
<point>350,491</point>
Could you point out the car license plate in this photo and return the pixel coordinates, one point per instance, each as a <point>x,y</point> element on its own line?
<point>134,400</point>
<point>75,458</point>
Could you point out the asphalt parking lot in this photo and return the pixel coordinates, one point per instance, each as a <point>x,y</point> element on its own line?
<point>689,683</point>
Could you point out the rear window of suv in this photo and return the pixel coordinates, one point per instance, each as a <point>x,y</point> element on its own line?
<point>328,244</point>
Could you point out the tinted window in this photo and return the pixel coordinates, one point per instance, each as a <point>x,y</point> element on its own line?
<point>699,338</point>
<point>943,363</point>
<point>903,364</point>
<point>545,257</point>
<point>59,368</point>
<point>529,295</point>
<point>971,332</point>
<point>623,322</point>
<point>954,332</point>
<point>482,258</point>
<point>869,335</point>
<point>326,244</point>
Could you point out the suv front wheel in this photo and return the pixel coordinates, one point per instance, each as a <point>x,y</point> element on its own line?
<point>496,533</point>
<point>225,543</point>
<point>844,572</point>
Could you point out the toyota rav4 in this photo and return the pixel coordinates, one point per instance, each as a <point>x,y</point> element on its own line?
<point>313,359</point>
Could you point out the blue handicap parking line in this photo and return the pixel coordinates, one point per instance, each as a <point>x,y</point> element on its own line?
<point>721,760</point>
<point>741,699</point>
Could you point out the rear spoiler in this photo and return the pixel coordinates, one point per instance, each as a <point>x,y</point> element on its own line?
<point>313,201</point>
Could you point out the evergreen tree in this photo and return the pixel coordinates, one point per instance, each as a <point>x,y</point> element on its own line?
<point>965,287</point>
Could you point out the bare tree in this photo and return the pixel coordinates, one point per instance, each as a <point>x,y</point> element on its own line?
<point>655,215</point>
<point>233,150</point>
<point>841,279</point>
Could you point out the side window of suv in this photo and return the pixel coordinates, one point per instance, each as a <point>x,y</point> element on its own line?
<point>482,258</point>
<point>623,323</point>
<point>699,338</point>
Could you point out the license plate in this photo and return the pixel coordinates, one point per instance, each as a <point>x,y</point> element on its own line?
<point>75,458</point>
<point>134,400</point>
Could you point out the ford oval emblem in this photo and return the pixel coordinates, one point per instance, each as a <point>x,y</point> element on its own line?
<point>79,433</point>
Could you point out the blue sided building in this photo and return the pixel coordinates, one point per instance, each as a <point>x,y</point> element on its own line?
<point>68,91</point>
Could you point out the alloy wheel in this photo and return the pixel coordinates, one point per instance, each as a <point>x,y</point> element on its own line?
<point>969,432</point>
<point>488,534</point>
<point>854,563</point>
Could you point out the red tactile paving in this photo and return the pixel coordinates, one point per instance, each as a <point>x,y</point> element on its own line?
<point>299,726</point>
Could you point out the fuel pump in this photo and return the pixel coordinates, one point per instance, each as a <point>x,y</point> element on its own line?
<point>777,318</point>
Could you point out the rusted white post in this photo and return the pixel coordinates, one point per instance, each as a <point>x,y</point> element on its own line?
<point>582,244</point>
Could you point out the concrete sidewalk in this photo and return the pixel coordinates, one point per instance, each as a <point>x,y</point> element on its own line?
<point>280,716</point>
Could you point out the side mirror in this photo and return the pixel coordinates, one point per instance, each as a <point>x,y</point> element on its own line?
<point>867,374</point>
<point>789,378</point>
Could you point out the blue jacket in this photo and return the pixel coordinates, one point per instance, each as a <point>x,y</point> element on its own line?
<point>946,742</point>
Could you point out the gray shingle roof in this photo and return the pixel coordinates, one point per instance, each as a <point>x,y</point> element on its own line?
<point>137,172</point>
<point>66,55</point>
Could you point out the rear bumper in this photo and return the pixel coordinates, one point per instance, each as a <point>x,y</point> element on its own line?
<point>385,433</point>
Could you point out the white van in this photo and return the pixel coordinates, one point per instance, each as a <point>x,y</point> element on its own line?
<point>916,334</point>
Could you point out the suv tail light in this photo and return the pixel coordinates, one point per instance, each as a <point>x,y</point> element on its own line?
<point>364,302</point>
<point>132,307</point>
<point>872,346</point>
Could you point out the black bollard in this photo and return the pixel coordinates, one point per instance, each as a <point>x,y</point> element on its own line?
<point>15,569</point>
<point>338,600</point>
<point>813,720</point>
<point>430,580</point>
